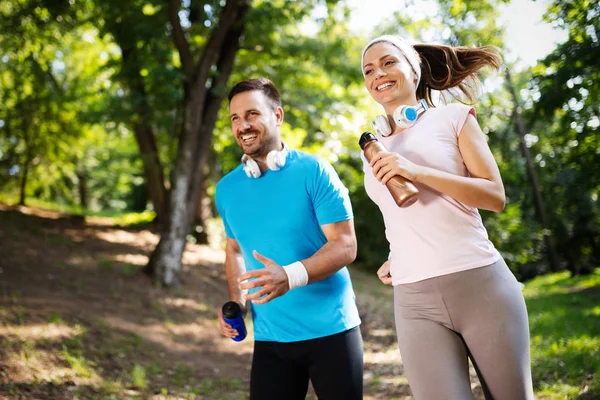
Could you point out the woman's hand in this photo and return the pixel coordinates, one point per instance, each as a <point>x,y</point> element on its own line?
<point>387,165</point>
<point>384,273</point>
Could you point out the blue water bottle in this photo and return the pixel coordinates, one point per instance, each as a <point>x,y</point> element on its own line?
<point>232,314</point>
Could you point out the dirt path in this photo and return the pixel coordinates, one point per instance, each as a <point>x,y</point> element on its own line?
<point>78,319</point>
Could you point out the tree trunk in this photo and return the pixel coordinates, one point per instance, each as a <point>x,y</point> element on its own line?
<point>25,124</point>
<point>200,115</point>
<point>82,185</point>
<point>203,208</point>
<point>573,261</point>
<point>153,170</point>
<point>23,183</point>
<point>144,134</point>
<point>169,251</point>
<point>537,193</point>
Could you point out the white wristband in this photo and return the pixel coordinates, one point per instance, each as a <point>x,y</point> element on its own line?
<point>297,274</point>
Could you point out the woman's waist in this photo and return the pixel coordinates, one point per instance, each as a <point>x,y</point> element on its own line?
<point>414,267</point>
<point>438,246</point>
<point>433,228</point>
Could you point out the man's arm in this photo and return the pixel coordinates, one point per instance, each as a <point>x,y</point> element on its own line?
<point>234,267</point>
<point>337,252</point>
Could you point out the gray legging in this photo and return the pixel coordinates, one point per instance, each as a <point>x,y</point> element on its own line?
<point>478,314</point>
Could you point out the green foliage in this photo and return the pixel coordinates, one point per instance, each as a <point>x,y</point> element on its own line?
<point>373,248</point>
<point>519,243</point>
<point>564,319</point>
<point>54,318</point>
<point>565,117</point>
<point>77,361</point>
<point>320,94</point>
<point>75,75</point>
<point>52,92</point>
<point>138,377</point>
<point>133,219</point>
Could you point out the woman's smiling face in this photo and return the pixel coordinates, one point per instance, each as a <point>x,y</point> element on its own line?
<point>388,74</point>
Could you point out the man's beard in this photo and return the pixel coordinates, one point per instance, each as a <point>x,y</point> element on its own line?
<point>261,149</point>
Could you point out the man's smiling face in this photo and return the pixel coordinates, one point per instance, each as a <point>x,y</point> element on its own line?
<point>255,122</point>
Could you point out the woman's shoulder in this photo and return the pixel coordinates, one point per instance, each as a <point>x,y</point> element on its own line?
<point>454,113</point>
<point>452,108</point>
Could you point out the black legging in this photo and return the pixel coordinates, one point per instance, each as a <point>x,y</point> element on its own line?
<point>334,365</point>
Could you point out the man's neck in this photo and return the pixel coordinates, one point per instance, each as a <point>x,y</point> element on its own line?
<point>261,159</point>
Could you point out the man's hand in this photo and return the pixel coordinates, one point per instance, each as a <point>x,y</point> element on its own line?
<point>226,329</point>
<point>384,273</point>
<point>272,280</point>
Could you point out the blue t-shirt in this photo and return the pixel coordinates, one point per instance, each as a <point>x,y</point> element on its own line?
<point>280,216</point>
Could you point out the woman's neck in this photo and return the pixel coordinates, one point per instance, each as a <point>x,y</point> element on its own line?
<point>392,106</point>
<point>405,101</point>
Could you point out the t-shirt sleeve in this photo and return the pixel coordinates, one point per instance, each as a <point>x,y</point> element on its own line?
<point>222,211</point>
<point>330,197</point>
<point>460,115</point>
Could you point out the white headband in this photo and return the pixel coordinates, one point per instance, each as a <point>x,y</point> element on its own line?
<point>406,49</point>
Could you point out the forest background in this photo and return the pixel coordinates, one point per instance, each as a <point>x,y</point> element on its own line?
<point>117,110</point>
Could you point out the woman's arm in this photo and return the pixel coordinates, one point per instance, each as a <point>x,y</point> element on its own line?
<point>482,189</point>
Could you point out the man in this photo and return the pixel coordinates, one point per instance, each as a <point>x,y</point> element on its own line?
<point>288,216</point>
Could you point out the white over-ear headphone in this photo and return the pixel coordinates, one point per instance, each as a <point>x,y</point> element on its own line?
<point>275,161</point>
<point>404,116</point>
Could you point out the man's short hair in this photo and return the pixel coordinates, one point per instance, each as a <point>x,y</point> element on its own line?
<point>263,84</point>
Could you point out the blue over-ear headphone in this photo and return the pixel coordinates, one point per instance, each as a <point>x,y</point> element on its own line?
<point>275,161</point>
<point>404,116</point>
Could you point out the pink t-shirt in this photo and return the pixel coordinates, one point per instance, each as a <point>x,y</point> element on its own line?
<point>437,235</point>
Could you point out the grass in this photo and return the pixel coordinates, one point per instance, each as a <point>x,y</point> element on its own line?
<point>564,318</point>
<point>13,199</point>
<point>80,366</point>
<point>118,217</point>
<point>138,377</point>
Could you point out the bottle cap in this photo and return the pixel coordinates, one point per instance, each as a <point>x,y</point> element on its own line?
<point>231,309</point>
<point>366,137</point>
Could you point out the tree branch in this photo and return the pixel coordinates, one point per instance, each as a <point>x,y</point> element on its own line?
<point>183,47</point>
<point>48,73</point>
<point>217,93</point>
<point>229,15</point>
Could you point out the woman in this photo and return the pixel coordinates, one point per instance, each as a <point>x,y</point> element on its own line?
<point>454,296</point>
